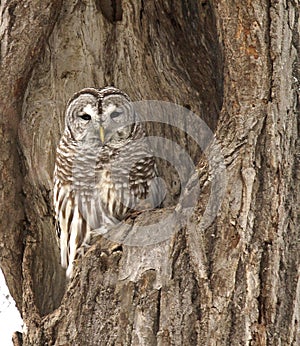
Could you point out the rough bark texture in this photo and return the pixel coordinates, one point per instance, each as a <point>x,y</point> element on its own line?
<point>25,26</point>
<point>235,282</point>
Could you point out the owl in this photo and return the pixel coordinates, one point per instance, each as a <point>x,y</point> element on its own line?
<point>104,169</point>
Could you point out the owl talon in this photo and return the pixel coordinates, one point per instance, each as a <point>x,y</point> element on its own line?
<point>101,230</point>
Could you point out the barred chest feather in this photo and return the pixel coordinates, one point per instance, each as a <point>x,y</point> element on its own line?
<point>105,183</point>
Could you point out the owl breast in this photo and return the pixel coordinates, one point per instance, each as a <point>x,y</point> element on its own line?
<point>114,194</point>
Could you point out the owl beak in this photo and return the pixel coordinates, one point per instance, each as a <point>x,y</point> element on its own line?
<point>101,133</point>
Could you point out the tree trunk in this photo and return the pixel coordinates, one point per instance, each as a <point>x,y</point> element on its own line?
<point>231,281</point>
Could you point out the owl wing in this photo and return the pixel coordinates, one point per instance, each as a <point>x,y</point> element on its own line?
<point>71,226</point>
<point>145,184</point>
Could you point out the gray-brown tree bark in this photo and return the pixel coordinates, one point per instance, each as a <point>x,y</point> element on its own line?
<point>235,64</point>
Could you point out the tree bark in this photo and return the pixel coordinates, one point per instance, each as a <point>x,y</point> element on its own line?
<point>234,281</point>
<point>24,29</point>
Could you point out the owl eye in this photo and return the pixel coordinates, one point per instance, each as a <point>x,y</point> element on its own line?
<point>85,117</point>
<point>115,114</point>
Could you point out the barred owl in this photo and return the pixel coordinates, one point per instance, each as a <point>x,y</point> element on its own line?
<point>104,169</point>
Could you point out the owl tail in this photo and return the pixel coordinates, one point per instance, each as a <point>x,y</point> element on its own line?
<point>73,246</point>
<point>69,272</point>
<point>70,243</point>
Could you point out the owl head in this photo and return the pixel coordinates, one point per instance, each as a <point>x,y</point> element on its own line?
<point>103,116</point>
